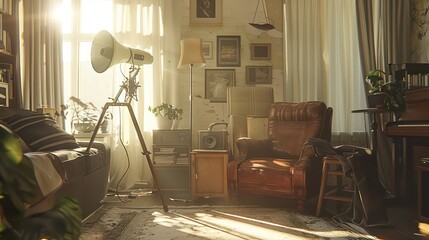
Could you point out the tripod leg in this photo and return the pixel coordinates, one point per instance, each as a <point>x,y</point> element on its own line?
<point>100,121</point>
<point>146,153</point>
<point>103,113</point>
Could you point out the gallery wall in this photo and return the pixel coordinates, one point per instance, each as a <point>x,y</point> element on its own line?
<point>233,26</point>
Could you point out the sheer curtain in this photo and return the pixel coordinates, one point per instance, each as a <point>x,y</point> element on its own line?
<point>322,62</point>
<point>145,25</point>
<point>41,55</point>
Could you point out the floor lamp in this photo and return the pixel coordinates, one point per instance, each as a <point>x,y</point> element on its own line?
<point>191,55</point>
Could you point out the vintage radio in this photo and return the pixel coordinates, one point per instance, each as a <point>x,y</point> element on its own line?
<point>213,140</point>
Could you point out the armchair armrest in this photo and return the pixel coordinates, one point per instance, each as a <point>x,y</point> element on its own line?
<point>306,159</point>
<point>306,172</point>
<point>247,148</point>
<point>250,148</point>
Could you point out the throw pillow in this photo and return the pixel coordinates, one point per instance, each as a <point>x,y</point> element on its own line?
<point>24,146</point>
<point>41,132</point>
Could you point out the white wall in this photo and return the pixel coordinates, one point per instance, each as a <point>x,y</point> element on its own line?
<point>236,16</point>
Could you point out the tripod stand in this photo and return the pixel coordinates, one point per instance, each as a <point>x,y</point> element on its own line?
<point>130,86</point>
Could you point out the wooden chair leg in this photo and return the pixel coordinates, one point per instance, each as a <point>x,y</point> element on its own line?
<point>322,189</point>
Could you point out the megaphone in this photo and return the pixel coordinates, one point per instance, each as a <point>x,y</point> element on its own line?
<point>106,52</point>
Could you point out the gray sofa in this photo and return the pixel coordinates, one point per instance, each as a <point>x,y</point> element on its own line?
<point>78,173</point>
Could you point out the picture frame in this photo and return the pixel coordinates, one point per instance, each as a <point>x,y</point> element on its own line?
<point>207,48</point>
<point>5,72</point>
<point>217,82</point>
<point>259,74</point>
<point>228,51</point>
<point>4,94</point>
<point>260,51</point>
<point>205,12</point>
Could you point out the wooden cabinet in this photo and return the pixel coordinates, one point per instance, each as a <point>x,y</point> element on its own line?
<point>9,53</point>
<point>209,173</point>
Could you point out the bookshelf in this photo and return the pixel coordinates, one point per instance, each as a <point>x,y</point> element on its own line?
<point>415,75</point>
<point>9,52</point>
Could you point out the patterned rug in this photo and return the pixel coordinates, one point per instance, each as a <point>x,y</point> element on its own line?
<point>213,222</point>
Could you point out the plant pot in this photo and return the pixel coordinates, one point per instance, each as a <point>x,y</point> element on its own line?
<point>175,124</point>
<point>105,126</point>
<point>164,123</point>
<point>376,100</point>
<point>84,127</point>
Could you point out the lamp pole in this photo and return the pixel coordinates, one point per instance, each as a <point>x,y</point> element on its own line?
<point>190,99</point>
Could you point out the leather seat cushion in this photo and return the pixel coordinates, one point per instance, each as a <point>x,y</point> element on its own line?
<point>267,172</point>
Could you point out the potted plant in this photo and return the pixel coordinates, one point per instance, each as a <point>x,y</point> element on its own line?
<point>166,114</point>
<point>391,93</point>
<point>84,115</point>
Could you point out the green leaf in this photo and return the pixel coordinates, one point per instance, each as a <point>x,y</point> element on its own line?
<point>70,210</point>
<point>10,147</point>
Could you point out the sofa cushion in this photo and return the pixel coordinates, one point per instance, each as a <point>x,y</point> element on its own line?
<point>41,132</point>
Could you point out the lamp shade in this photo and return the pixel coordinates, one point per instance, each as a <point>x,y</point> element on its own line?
<point>191,53</point>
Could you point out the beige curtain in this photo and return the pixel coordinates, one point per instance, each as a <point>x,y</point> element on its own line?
<point>322,62</point>
<point>152,26</point>
<point>41,55</point>
<point>384,30</point>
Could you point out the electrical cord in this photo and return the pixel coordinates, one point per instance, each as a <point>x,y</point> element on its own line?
<point>125,199</point>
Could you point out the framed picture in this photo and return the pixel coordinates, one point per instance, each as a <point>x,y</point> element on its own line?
<point>228,51</point>
<point>5,72</point>
<point>217,83</point>
<point>207,49</point>
<point>4,94</point>
<point>260,51</point>
<point>259,74</point>
<point>205,12</point>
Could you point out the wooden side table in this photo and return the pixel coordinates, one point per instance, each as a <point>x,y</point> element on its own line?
<point>209,173</point>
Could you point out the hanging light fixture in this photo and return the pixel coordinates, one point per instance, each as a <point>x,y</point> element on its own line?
<point>265,26</point>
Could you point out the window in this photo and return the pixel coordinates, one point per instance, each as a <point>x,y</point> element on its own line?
<point>82,20</point>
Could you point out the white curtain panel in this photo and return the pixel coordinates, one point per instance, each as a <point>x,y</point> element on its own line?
<point>322,60</point>
<point>144,25</point>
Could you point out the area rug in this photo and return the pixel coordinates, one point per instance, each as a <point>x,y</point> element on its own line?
<point>210,222</point>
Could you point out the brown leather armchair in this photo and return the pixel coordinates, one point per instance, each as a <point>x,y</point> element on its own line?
<point>281,166</point>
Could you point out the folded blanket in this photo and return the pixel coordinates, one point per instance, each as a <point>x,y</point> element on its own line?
<point>49,172</point>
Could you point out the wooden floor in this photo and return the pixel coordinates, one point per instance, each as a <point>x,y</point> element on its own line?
<point>402,216</point>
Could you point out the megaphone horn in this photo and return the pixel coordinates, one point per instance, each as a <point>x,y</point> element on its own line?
<point>106,52</point>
